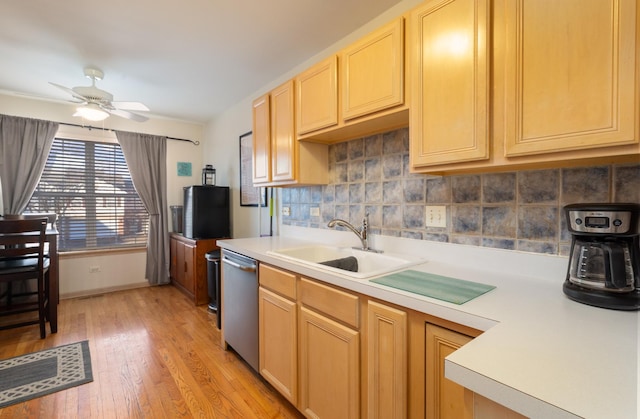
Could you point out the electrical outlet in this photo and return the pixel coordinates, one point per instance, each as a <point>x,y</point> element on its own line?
<point>94,269</point>
<point>436,216</point>
<point>286,211</point>
<point>314,211</point>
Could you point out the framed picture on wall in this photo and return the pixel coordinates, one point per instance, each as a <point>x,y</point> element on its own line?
<point>250,196</point>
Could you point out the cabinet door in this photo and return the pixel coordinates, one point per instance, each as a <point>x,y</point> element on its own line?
<point>181,267</point>
<point>329,368</point>
<point>450,82</point>
<point>283,141</point>
<point>261,140</point>
<point>189,267</point>
<point>445,399</point>
<point>372,72</point>
<point>317,93</point>
<point>174,258</point>
<point>387,362</point>
<point>278,343</point>
<point>570,75</point>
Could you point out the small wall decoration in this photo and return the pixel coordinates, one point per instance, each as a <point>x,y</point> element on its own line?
<point>249,195</point>
<point>184,168</point>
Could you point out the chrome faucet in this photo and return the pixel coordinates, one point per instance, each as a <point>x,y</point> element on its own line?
<point>360,232</point>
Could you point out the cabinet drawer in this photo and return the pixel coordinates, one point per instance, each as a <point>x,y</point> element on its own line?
<point>279,281</point>
<point>332,302</point>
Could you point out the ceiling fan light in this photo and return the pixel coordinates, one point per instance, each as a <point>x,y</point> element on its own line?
<point>92,112</point>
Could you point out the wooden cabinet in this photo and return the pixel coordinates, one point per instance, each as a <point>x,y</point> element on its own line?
<point>188,267</point>
<point>329,367</point>
<point>564,83</point>
<point>329,351</point>
<point>278,327</point>
<point>450,82</point>
<point>444,398</point>
<point>317,96</point>
<point>261,140</point>
<point>366,96</point>
<point>387,353</point>
<point>372,72</point>
<point>570,79</point>
<point>279,159</point>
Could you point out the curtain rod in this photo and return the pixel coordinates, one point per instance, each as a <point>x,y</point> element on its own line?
<point>89,127</point>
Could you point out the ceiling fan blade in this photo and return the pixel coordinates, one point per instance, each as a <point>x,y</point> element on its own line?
<point>70,91</point>
<point>130,106</point>
<point>126,114</point>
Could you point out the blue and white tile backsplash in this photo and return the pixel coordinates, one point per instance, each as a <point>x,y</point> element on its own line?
<point>513,210</point>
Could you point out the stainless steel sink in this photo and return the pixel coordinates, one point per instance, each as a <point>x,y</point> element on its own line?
<point>369,264</point>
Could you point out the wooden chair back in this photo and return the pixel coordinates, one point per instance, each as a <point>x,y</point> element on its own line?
<point>22,258</point>
<point>21,240</point>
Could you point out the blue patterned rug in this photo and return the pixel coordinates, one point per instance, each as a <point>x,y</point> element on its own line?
<point>33,375</point>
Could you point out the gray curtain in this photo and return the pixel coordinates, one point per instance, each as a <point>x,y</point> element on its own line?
<point>24,147</point>
<point>146,156</point>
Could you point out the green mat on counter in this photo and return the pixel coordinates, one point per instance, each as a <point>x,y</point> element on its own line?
<point>443,288</point>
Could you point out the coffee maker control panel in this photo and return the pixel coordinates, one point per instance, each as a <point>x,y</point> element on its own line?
<point>600,222</point>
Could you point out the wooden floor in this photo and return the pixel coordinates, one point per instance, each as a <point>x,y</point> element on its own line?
<point>154,355</point>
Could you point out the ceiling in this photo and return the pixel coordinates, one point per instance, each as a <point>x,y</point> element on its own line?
<point>188,59</point>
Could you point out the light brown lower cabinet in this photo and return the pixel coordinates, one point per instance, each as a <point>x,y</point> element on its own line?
<point>334,353</point>
<point>386,361</point>
<point>278,343</point>
<point>445,399</point>
<point>329,367</point>
<point>278,330</point>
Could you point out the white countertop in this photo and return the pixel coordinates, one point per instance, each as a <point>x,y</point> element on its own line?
<point>541,355</point>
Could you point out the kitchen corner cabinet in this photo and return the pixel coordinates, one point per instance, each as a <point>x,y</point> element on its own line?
<point>188,266</point>
<point>564,82</point>
<point>570,79</point>
<point>278,337</point>
<point>445,399</point>
<point>450,82</point>
<point>279,159</point>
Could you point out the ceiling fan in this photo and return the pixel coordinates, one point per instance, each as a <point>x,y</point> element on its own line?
<point>98,104</point>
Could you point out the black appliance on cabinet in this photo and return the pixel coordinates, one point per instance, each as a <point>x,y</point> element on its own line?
<point>604,264</point>
<point>206,212</point>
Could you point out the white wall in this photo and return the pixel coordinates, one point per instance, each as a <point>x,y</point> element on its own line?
<point>222,133</point>
<point>119,270</point>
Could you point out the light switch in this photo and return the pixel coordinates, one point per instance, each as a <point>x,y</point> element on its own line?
<point>436,216</point>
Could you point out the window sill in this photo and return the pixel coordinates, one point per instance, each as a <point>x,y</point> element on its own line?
<point>100,252</point>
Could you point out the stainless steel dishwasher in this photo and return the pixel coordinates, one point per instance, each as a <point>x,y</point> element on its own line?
<point>240,304</point>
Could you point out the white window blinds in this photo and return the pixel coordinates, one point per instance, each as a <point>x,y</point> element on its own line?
<point>89,186</point>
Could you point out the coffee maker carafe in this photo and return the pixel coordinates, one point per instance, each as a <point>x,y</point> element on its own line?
<point>604,264</point>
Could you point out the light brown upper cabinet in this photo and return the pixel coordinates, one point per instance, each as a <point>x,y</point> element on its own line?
<point>372,72</point>
<point>563,87</point>
<point>450,82</point>
<point>261,140</point>
<point>317,104</point>
<point>570,75</point>
<point>278,158</point>
<point>359,91</point>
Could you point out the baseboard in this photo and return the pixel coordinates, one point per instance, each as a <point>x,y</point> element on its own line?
<point>98,291</point>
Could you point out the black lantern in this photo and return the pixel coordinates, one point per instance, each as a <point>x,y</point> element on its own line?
<point>208,175</point>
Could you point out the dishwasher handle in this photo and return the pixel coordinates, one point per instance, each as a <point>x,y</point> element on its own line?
<point>246,268</point>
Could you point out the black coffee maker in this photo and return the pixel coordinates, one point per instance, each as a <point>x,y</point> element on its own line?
<point>604,264</point>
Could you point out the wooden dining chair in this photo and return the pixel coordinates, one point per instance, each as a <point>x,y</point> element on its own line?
<point>22,260</point>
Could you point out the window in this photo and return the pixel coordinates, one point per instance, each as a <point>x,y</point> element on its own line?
<point>89,186</point>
